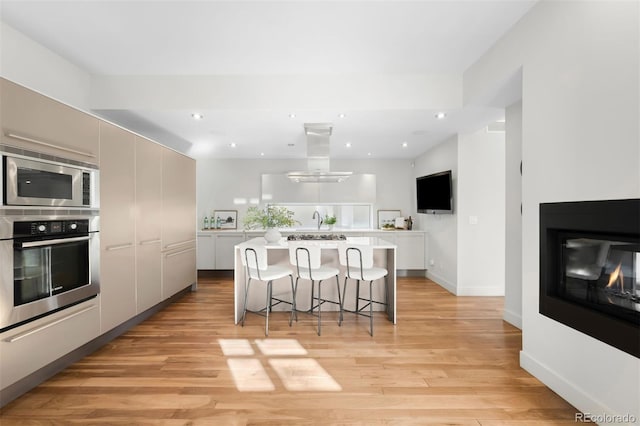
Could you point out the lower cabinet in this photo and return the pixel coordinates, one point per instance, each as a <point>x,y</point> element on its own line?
<point>118,294</point>
<point>410,251</point>
<point>206,251</point>
<point>225,251</point>
<point>178,269</point>
<point>30,347</point>
<point>148,275</point>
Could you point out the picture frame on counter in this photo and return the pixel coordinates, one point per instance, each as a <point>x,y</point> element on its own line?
<point>225,219</point>
<point>388,217</point>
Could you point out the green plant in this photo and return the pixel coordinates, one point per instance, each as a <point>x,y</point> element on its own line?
<point>269,217</point>
<point>330,220</point>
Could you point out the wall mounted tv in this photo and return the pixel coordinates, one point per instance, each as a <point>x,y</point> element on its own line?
<point>434,193</point>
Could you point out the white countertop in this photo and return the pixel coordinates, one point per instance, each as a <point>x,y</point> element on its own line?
<point>308,231</point>
<point>376,242</point>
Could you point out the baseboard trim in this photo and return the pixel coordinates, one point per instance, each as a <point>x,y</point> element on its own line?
<point>29,382</point>
<point>574,395</point>
<point>480,291</point>
<point>450,287</point>
<point>422,273</point>
<point>512,318</point>
<point>215,273</point>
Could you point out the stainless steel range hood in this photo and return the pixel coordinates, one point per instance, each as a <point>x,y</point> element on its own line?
<point>318,135</point>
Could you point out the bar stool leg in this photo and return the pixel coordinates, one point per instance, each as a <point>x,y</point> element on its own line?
<point>319,307</point>
<point>371,308</point>
<point>344,293</point>
<point>358,296</point>
<point>312,293</point>
<point>293,302</point>
<point>339,300</point>
<point>266,325</point>
<point>246,296</point>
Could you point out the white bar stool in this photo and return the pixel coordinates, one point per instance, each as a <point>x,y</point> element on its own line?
<point>254,259</point>
<point>358,260</point>
<point>308,262</point>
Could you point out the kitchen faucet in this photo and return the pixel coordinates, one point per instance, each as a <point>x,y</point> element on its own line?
<point>317,213</point>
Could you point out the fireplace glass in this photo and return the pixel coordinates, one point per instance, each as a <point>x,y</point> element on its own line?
<point>602,274</point>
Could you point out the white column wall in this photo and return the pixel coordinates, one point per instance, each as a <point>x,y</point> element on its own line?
<point>442,229</point>
<point>513,218</point>
<point>580,136</point>
<point>481,214</point>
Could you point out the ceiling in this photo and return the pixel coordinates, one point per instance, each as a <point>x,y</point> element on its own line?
<point>303,43</point>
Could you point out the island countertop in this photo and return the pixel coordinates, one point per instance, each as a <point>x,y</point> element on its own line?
<point>384,256</point>
<point>375,242</point>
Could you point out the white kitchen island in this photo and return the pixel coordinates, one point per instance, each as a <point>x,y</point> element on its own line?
<point>384,256</point>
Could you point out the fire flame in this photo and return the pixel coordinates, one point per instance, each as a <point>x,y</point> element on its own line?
<point>616,277</point>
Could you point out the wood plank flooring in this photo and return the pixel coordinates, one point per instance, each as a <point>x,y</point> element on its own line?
<point>449,360</point>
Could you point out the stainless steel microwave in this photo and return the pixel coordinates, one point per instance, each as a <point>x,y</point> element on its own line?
<point>36,182</point>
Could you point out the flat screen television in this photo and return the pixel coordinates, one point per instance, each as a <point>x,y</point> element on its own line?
<point>434,193</point>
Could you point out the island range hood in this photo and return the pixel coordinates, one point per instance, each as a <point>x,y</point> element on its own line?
<point>318,135</point>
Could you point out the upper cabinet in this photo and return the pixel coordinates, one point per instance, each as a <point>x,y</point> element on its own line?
<point>35,122</point>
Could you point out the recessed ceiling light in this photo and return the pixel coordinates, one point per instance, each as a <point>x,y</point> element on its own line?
<point>262,154</point>
<point>369,154</point>
<point>233,145</point>
<point>441,115</point>
<point>348,144</point>
<point>197,116</point>
<point>404,144</point>
<point>342,115</point>
<point>292,115</point>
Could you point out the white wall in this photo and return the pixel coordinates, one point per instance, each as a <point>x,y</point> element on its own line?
<point>481,214</point>
<point>220,181</point>
<point>513,218</point>
<point>442,232</point>
<point>30,64</point>
<point>580,141</point>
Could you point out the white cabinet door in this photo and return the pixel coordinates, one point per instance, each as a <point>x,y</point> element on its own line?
<point>225,249</point>
<point>117,226</point>
<point>178,222</point>
<point>206,251</point>
<point>30,347</point>
<point>410,252</point>
<point>37,123</point>
<point>148,224</point>
<point>178,270</point>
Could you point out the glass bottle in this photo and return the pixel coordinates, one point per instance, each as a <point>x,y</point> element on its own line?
<point>206,222</point>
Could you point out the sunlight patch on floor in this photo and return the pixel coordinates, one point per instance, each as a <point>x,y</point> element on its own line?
<point>249,375</point>
<point>303,374</point>
<point>297,374</point>
<point>235,347</point>
<point>279,347</point>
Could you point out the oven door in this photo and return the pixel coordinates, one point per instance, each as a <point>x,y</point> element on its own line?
<point>36,183</point>
<point>46,268</point>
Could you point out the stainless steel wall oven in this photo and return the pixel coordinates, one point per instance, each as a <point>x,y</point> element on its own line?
<point>48,263</point>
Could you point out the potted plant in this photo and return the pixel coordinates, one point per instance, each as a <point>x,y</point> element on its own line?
<point>270,218</point>
<point>330,220</point>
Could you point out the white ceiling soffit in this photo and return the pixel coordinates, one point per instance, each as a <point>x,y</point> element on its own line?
<point>389,66</point>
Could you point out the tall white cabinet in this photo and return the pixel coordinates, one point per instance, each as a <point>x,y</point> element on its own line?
<point>178,222</point>
<point>148,224</point>
<point>117,226</point>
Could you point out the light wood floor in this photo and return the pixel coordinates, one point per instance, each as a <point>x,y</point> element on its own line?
<point>449,360</point>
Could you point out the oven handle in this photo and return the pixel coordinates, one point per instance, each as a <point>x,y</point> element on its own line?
<point>50,145</point>
<point>50,242</point>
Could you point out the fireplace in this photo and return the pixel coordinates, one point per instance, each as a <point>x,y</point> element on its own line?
<point>590,269</point>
